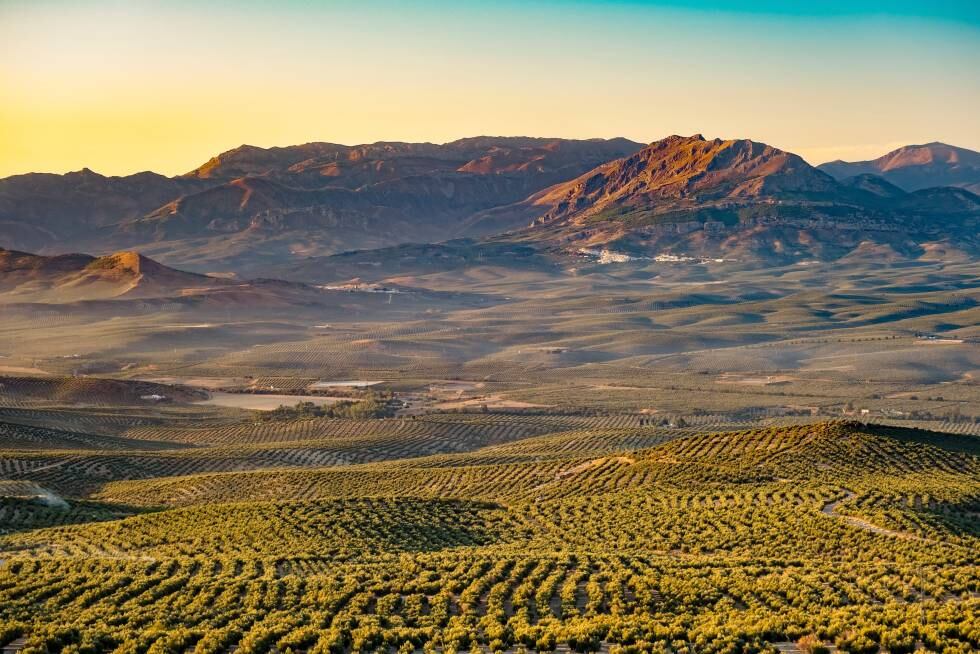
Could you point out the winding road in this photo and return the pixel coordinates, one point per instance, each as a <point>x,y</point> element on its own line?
<point>831,509</point>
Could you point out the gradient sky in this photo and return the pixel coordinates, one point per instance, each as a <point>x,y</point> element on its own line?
<point>129,85</point>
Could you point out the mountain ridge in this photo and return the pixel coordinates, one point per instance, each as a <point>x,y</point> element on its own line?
<point>914,167</point>
<point>251,208</point>
<point>252,202</point>
<point>687,170</point>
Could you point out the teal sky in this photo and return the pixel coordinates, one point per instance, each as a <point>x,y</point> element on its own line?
<point>121,86</point>
<point>957,10</point>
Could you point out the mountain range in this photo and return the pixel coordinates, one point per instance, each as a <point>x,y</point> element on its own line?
<point>742,199</point>
<point>252,209</point>
<point>916,167</point>
<point>273,204</point>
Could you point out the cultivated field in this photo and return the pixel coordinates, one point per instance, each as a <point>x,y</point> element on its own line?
<point>692,459</point>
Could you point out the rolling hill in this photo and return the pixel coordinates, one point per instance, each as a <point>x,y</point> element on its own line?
<point>128,283</point>
<point>834,533</point>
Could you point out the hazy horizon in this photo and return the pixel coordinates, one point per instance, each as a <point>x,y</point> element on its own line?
<point>126,87</point>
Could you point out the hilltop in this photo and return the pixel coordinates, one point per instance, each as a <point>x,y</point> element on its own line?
<point>73,277</point>
<point>680,172</point>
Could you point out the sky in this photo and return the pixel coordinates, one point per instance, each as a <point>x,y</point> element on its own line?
<point>129,85</point>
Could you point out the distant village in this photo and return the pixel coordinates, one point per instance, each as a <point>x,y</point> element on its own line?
<point>605,256</point>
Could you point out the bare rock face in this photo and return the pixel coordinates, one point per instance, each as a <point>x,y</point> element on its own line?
<point>681,171</point>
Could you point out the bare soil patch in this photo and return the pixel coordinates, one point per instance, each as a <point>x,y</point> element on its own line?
<point>263,402</point>
<point>490,401</point>
<point>758,380</point>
